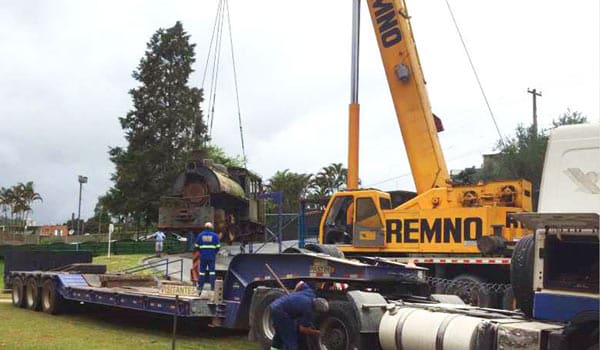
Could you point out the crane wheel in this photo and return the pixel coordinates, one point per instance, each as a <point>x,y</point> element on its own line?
<point>339,327</point>
<point>17,292</point>
<point>32,295</point>
<point>468,288</point>
<point>52,301</point>
<point>521,274</point>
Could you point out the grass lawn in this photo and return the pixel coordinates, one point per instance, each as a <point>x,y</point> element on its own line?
<point>108,329</point>
<point>119,262</point>
<point>1,275</point>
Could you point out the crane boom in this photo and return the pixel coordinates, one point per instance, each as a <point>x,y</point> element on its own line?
<point>407,86</point>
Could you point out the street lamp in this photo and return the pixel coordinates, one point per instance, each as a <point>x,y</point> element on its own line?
<point>82,180</point>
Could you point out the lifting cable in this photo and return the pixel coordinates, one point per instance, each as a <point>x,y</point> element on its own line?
<point>475,73</point>
<point>213,59</point>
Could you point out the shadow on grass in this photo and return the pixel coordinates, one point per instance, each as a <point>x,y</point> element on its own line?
<point>150,323</point>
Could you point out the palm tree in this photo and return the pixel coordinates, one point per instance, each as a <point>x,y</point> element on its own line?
<point>329,180</point>
<point>27,197</point>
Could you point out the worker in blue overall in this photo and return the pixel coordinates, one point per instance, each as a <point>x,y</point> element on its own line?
<point>208,244</point>
<point>293,314</point>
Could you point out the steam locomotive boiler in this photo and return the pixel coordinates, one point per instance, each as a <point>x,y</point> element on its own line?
<point>207,191</point>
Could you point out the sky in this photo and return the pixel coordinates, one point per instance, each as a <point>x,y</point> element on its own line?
<point>65,73</point>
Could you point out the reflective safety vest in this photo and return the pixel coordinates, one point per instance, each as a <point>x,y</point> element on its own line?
<point>208,244</point>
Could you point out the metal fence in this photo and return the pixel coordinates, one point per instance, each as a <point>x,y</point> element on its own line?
<point>101,248</point>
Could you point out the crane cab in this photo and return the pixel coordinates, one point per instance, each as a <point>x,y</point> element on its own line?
<point>355,218</point>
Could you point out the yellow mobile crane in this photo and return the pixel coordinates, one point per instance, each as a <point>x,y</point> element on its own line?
<point>460,232</point>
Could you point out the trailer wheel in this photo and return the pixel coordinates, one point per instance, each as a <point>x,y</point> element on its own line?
<point>521,274</point>
<point>468,288</point>
<point>328,249</point>
<point>51,300</point>
<point>262,325</point>
<point>32,294</point>
<point>17,292</point>
<point>339,327</point>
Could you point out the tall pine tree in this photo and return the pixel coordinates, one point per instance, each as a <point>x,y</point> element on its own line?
<point>165,124</point>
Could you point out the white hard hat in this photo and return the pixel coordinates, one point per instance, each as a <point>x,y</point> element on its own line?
<point>208,225</point>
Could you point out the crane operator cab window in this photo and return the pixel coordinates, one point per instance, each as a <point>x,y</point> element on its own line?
<point>339,222</point>
<point>368,230</point>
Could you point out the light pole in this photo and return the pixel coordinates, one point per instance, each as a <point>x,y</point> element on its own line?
<point>82,180</point>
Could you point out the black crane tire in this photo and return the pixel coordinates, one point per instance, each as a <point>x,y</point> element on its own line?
<point>339,327</point>
<point>52,301</point>
<point>470,289</point>
<point>17,292</point>
<point>329,249</point>
<point>508,300</point>
<point>32,294</point>
<point>260,317</point>
<point>521,274</point>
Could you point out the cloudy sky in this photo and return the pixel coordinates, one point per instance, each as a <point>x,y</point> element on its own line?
<point>65,70</point>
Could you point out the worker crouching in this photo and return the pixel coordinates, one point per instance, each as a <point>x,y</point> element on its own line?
<point>293,314</point>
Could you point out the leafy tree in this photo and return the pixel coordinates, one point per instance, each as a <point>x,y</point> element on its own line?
<point>328,180</point>
<point>293,187</point>
<point>165,124</point>
<point>218,155</point>
<point>570,118</point>
<point>522,156</point>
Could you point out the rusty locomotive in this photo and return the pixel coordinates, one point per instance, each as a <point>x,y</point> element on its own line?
<point>207,191</point>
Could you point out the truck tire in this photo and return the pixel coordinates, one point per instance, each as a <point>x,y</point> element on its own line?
<point>469,289</point>
<point>260,317</point>
<point>339,327</point>
<point>328,249</point>
<point>52,301</point>
<point>508,300</point>
<point>521,274</point>
<point>17,292</point>
<point>32,294</point>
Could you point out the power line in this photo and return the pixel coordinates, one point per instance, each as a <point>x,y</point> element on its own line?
<point>475,72</point>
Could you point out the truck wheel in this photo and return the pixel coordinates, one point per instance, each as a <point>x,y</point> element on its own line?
<point>469,289</point>
<point>508,300</point>
<point>339,327</point>
<point>521,274</point>
<point>17,292</point>
<point>32,295</point>
<point>262,325</point>
<point>328,249</point>
<point>51,300</point>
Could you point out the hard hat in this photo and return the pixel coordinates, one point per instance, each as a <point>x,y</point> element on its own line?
<point>320,305</point>
<point>208,225</point>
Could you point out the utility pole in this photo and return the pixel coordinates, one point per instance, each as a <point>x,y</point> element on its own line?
<point>82,180</point>
<point>534,94</point>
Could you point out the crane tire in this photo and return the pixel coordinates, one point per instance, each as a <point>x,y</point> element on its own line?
<point>17,292</point>
<point>508,300</point>
<point>339,327</point>
<point>52,301</point>
<point>329,249</point>
<point>521,274</point>
<point>32,294</point>
<point>476,296</point>
<point>260,317</point>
